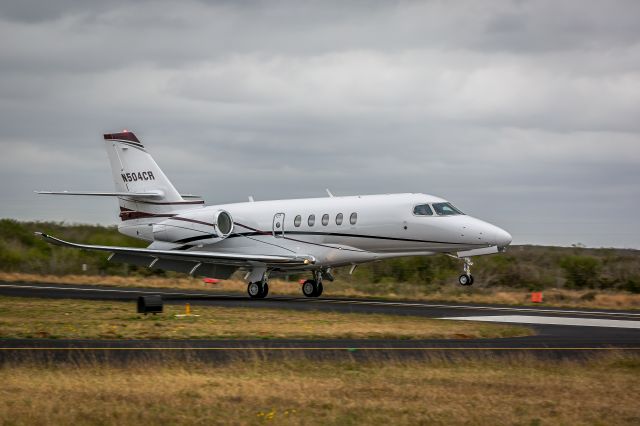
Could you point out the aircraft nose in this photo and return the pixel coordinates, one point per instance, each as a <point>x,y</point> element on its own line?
<point>502,237</point>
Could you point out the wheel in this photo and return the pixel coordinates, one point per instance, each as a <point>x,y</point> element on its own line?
<point>471,280</point>
<point>319,289</point>
<point>254,290</point>
<point>465,279</point>
<point>258,290</point>
<point>309,288</point>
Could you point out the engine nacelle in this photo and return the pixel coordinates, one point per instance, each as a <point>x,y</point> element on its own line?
<point>223,223</point>
<point>196,228</point>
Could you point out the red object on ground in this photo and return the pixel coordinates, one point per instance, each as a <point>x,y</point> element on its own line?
<point>536,297</point>
<point>301,282</point>
<point>211,281</point>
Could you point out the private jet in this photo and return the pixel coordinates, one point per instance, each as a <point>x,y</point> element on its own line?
<point>268,238</point>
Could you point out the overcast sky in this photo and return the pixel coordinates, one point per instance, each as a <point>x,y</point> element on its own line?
<point>525,114</point>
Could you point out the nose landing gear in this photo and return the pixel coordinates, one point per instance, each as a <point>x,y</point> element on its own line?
<point>466,278</point>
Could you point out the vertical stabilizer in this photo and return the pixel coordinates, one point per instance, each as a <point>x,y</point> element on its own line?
<point>135,171</point>
<point>133,168</point>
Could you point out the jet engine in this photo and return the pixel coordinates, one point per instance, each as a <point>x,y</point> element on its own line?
<point>223,223</point>
<point>195,229</point>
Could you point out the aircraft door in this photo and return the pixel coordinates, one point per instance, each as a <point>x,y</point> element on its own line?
<point>278,225</point>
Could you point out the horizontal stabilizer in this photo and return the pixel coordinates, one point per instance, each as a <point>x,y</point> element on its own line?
<point>148,194</point>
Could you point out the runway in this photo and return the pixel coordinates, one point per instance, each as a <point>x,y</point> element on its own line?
<point>560,333</point>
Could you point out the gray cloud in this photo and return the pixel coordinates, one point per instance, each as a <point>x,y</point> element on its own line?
<point>523,113</point>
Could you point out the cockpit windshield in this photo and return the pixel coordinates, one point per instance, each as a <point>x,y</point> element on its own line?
<point>422,210</point>
<point>445,209</point>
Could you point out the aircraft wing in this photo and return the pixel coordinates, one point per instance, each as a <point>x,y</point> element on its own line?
<point>187,261</point>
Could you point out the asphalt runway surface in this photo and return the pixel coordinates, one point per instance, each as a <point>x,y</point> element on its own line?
<point>560,333</point>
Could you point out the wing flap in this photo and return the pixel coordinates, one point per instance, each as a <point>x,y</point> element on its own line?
<point>211,270</point>
<point>194,256</point>
<point>130,259</point>
<point>221,272</point>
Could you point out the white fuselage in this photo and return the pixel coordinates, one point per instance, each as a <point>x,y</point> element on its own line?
<point>275,236</point>
<point>385,227</point>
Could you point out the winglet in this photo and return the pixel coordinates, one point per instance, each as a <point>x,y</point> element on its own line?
<point>52,240</point>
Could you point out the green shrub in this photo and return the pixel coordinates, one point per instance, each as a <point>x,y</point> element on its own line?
<point>530,267</point>
<point>581,271</point>
<point>632,285</point>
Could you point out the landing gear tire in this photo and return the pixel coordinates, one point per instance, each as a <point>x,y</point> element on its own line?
<point>258,290</point>
<point>319,290</point>
<point>310,288</point>
<point>465,279</point>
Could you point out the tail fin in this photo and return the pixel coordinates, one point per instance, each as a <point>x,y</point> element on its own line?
<point>135,172</point>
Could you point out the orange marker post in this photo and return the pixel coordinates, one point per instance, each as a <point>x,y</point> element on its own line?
<point>536,297</point>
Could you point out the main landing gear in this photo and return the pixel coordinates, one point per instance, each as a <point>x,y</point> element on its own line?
<point>466,278</point>
<point>314,287</point>
<point>258,289</point>
<point>258,286</point>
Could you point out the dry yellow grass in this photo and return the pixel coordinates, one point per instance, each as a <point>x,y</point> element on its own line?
<point>80,319</point>
<point>108,280</point>
<point>561,298</point>
<point>520,391</point>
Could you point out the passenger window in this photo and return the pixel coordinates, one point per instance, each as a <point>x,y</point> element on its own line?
<point>325,219</point>
<point>339,219</point>
<point>312,219</point>
<point>354,218</point>
<point>297,221</point>
<point>423,210</point>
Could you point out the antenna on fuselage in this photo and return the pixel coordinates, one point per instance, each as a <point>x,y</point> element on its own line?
<point>329,193</point>
<point>251,199</point>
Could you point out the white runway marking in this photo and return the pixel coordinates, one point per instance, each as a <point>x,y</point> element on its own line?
<point>471,307</point>
<point>530,319</point>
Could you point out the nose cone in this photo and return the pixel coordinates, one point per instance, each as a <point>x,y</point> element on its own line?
<point>502,237</point>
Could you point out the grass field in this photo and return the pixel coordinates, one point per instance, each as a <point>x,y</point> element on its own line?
<point>454,293</point>
<point>81,319</point>
<point>516,391</point>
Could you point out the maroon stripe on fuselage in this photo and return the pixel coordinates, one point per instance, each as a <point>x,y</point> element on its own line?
<point>130,215</point>
<point>253,229</point>
<point>184,219</point>
<point>174,203</point>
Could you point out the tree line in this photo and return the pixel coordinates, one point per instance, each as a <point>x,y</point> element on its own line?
<point>531,267</point>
